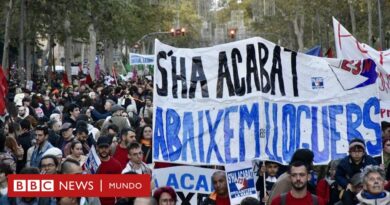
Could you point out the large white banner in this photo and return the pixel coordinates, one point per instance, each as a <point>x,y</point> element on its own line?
<point>253,99</point>
<point>192,184</point>
<point>348,47</point>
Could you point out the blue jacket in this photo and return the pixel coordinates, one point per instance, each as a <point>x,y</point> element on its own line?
<point>37,154</point>
<point>344,171</point>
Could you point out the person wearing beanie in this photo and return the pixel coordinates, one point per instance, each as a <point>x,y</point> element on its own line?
<point>356,161</point>
<point>283,184</point>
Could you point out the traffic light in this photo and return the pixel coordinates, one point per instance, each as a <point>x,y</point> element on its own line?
<point>178,31</point>
<point>232,33</point>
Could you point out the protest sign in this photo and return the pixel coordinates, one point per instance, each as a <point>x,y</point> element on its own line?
<point>138,59</point>
<point>192,184</point>
<point>252,99</point>
<point>241,182</point>
<point>93,161</point>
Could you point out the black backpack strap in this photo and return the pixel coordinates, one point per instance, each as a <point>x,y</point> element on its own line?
<point>283,197</point>
<point>314,199</point>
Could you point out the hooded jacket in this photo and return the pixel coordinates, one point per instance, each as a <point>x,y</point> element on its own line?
<point>383,200</point>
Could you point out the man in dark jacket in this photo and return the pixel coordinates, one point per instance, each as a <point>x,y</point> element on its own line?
<point>353,163</point>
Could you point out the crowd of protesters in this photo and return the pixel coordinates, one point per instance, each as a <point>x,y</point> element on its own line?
<point>51,130</point>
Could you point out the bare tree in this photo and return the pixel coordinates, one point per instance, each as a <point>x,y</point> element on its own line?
<point>369,11</point>
<point>21,39</point>
<point>6,36</point>
<point>92,51</point>
<point>352,14</point>
<point>299,25</point>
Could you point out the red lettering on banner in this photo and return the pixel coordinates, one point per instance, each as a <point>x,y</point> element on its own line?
<point>385,82</point>
<point>97,185</point>
<point>385,113</point>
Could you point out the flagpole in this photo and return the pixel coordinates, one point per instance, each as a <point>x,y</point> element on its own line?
<point>114,74</point>
<point>264,184</point>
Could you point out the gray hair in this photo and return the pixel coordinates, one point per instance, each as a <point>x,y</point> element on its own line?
<point>372,169</point>
<point>219,172</point>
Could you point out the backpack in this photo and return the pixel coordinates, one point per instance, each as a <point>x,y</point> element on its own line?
<point>284,198</point>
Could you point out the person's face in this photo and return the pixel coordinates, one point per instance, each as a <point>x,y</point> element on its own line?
<point>3,178</point>
<point>147,133</point>
<point>48,166</point>
<point>6,129</point>
<point>75,113</point>
<point>57,126</point>
<point>220,185</point>
<point>386,147</point>
<point>77,151</point>
<point>130,137</point>
<point>111,132</point>
<point>165,199</point>
<point>148,102</point>
<point>21,111</point>
<point>140,90</point>
<point>93,96</point>
<point>103,152</point>
<point>272,169</point>
<point>46,101</point>
<point>299,177</point>
<point>386,132</point>
<point>67,134</point>
<point>40,137</point>
<point>374,183</point>
<point>107,106</point>
<point>356,154</point>
<point>135,155</point>
<point>332,172</point>
<point>67,201</point>
<point>82,136</point>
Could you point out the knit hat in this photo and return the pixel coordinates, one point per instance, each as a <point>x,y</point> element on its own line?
<point>356,143</point>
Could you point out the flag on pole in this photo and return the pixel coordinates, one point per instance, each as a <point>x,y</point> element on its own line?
<point>3,91</point>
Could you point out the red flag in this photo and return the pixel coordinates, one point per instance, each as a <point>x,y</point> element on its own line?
<point>3,91</point>
<point>65,80</point>
<point>329,53</point>
<point>2,103</point>
<point>88,79</point>
<point>3,81</point>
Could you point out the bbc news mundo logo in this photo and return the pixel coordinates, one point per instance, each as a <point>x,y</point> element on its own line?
<point>97,185</point>
<point>22,185</point>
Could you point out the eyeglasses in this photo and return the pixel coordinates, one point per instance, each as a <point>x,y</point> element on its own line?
<point>47,165</point>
